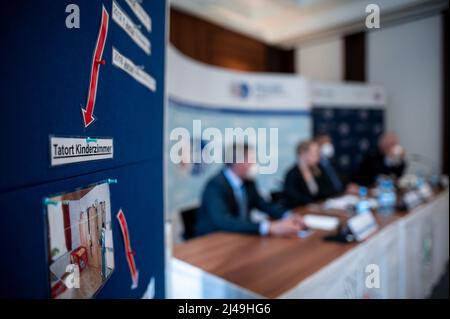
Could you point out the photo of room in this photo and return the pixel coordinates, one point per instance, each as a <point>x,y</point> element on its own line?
<point>79,242</point>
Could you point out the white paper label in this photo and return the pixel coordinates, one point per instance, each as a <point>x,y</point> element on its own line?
<point>412,199</point>
<point>124,21</point>
<point>134,71</point>
<point>66,150</point>
<point>363,225</point>
<point>141,14</point>
<point>321,222</point>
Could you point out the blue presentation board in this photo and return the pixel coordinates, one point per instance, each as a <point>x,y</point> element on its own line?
<point>46,74</point>
<point>354,131</point>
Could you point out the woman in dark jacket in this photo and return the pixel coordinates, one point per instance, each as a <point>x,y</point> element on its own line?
<point>306,182</point>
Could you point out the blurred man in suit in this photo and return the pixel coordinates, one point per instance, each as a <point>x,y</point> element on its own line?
<point>229,197</point>
<point>388,159</point>
<point>326,157</point>
<point>327,153</point>
<point>306,181</point>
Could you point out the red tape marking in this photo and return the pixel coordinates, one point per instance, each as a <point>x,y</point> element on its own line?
<point>88,113</point>
<point>129,253</point>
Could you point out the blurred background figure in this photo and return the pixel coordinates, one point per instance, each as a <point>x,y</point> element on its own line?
<point>306,181</point>
<point>327,161</point>
<point>387,159</point>
<point>229,197</point>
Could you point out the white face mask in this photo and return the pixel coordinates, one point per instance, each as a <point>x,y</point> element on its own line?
<point>252,172</point>
<point>327,150</point>
<point>395,156</point>
<point>397,151</point>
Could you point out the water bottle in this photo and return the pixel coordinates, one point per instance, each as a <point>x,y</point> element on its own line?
<point>363,205</point>
<point>424,189</point>
<point>387,197</point>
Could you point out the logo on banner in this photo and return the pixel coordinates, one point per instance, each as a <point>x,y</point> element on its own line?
<point>258,90</point>
<point>240,90</point>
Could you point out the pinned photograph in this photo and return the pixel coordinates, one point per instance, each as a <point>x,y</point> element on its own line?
<point>80,243</point>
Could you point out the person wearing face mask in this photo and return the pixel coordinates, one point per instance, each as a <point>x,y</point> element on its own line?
<point>306,181</point>
<point>326,158</point>
<point>229,197</point>
<point>388,159</point>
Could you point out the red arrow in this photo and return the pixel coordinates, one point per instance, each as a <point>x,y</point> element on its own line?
<point>88,116</point>
<point>129,253</point>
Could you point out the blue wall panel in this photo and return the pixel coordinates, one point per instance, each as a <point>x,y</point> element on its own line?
<point>24,271</point>
<point>45,77</point>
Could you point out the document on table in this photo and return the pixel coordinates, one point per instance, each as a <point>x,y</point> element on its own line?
<point>346,202</point>
<point>321,222</point>
<point>343,202</point>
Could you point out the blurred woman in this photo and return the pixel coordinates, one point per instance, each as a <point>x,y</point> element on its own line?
<point>305,182</point>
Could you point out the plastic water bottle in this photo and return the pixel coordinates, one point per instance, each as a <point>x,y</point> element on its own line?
<point>424,189</point>
<point>363,205</point>
<point>387,197</point>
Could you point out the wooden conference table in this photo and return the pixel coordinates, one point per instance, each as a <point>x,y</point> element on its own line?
<point>268,266</point>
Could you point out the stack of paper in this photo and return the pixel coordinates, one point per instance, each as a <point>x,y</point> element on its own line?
<point>321,222</point>
<point>342,203</point>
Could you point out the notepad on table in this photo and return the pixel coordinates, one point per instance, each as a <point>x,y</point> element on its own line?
<point>321,222</point>
<point>341,203</point>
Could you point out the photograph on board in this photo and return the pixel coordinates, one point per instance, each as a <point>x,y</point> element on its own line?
<point>80,245</point>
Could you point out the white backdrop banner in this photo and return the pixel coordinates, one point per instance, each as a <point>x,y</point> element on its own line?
<point>221,99</point>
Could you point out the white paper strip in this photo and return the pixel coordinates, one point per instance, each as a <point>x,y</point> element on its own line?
<point>134,71</point>
<point>65,150</point>
<point>321,222</point>
<point>141,14</point>
<point>124,21</point>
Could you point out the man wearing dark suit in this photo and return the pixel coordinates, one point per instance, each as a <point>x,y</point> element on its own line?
<point>306,181</point>
<point>327,166</point>
<point>388,159</point>
<point>229,197</point>
<point>326,161</point>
